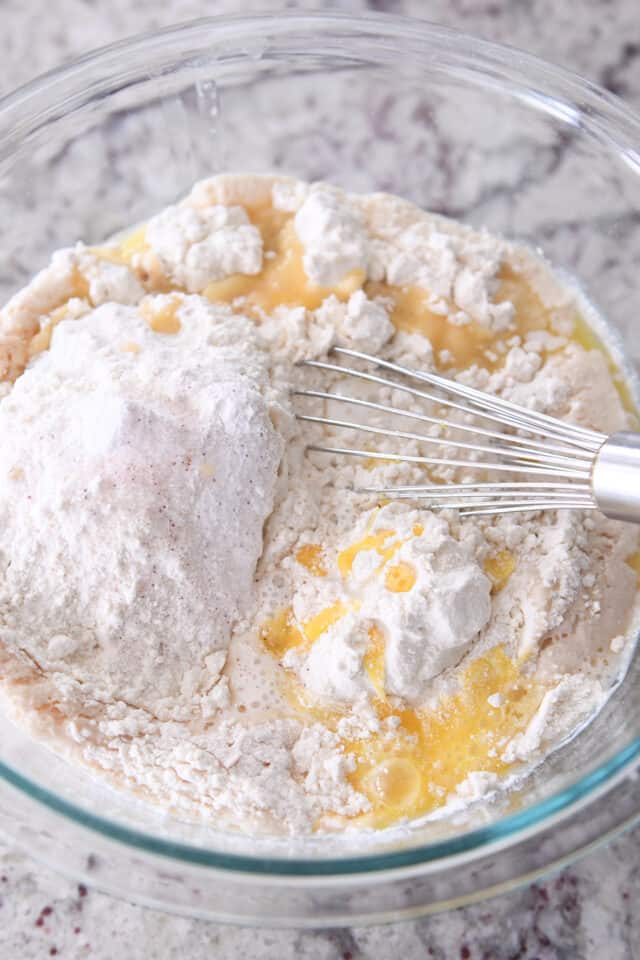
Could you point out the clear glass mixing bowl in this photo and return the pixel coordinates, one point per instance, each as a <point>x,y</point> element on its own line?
<point>459,126</point>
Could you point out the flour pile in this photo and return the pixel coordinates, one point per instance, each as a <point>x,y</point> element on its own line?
<point>128,459</point>
<point>204,611</point>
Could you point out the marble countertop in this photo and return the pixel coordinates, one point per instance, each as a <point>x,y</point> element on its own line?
<point>587,912</point>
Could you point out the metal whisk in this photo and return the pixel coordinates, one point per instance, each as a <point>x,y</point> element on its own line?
<point>564,466</point>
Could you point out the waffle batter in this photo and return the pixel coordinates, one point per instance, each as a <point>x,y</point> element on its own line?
<point>202,610</point>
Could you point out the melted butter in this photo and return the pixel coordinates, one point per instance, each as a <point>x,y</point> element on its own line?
<point>412,771</point>
<point>530,313</point>
<point>467,344</point>
<point>282,280</point>
<point>400,578</point>
<point>372,541</point>
<point>499,568</point>
<point>634,562</point>
<point>280,634</point>
<point>389,550</point>
<point>127,252</point>
<point>310,556</point>
<point>470,343</point>
<point>124,250</point>
<point>164,319</point>
<point>305,706</point>
<point>317,625</point>
<point>373,661</point>
<point>78,289</point>
<point>397,782</point>
<point>42,339</point>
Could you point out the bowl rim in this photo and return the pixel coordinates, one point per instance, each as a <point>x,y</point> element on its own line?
<point>597,112</point>
<point>508,831</point>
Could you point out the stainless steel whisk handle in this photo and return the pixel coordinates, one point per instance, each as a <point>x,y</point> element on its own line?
<point>615,477</point>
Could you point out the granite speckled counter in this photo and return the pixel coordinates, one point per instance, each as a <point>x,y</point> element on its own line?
<point>589,911</point>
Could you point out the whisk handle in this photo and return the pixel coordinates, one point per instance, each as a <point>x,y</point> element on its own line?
<point>615,477</point>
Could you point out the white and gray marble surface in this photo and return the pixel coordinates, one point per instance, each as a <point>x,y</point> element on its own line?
<point>586,913</point>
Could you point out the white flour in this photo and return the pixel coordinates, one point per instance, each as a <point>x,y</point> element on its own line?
<point>427,629</point>
<point>333,236</point>
<point>360,323</point>
<point>158,488</point>
<point>197,247</point>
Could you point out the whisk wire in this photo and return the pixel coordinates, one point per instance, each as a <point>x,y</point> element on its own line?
<point>557,456</point>
<point>496,417</point>
<point>517,456</point>
<point>438,421</point>
<point>450,462</point>
<point>483,400</point>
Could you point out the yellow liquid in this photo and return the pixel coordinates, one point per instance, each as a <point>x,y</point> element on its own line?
<point>282,280</point>
<point>412,772</point>
<point>373,662</point>
<point>467,344</point>
<point>42,339</point>
<point>373,541</point>
<point>125,250</point>
<point>471,343</point>
<point>280,634</point>
<point>499,568</point>
<point>310,556</point>
<point>634,562</point>
<point>400,578</point>
<point>164,319</point>
<point>317,625</point>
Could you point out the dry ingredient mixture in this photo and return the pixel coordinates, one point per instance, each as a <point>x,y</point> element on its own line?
<point>200,609</point>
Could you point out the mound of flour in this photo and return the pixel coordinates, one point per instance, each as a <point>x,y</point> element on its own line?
<point>136,472</point>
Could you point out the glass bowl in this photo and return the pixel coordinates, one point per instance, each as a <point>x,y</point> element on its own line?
<point>458,125</point>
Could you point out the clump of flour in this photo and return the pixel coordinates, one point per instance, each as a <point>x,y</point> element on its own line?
<point>198,247</point>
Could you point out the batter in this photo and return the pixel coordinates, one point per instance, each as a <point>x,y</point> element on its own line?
<point>205,612</point>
